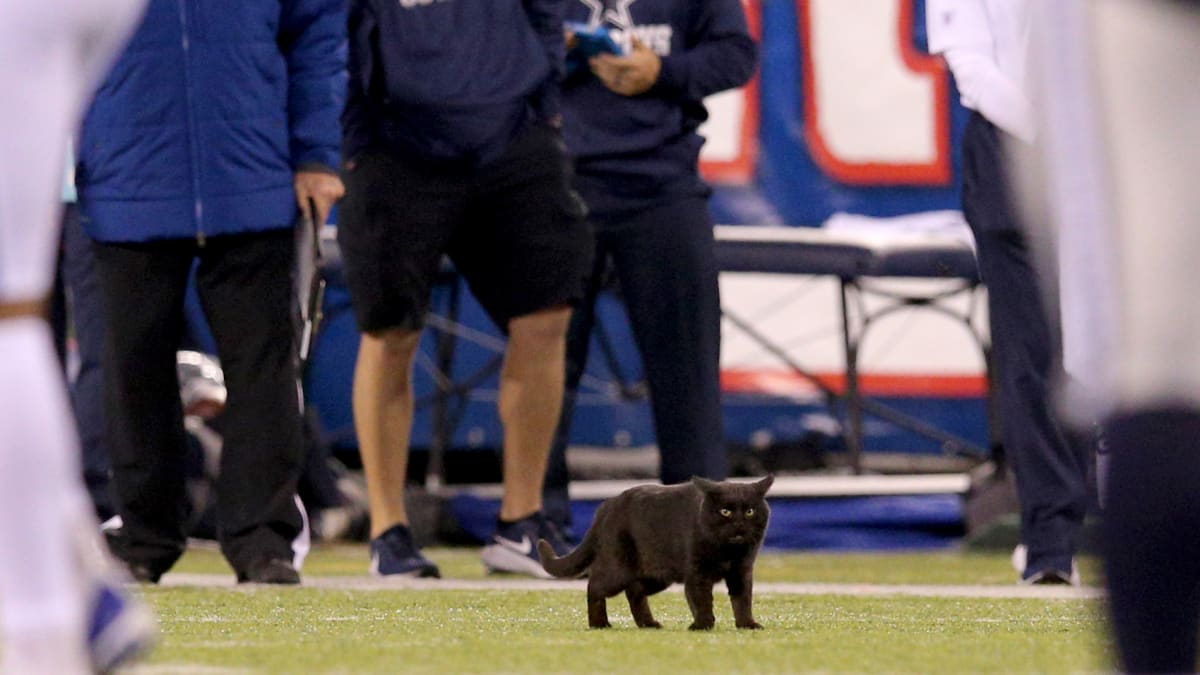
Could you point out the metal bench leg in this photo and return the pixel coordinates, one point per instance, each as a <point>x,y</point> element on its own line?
<point>854,413</point>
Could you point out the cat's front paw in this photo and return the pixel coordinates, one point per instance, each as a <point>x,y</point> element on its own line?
<point>600,625</point>
<point>752,625</point>
<point>697,625</point>
<point>650,624</point>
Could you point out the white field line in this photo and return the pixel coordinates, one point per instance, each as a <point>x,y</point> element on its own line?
<point>521,584</point>
<point>784,486</point>
<point>182,669</point>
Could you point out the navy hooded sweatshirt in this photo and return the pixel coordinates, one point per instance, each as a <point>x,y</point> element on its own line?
<point>626,147</point>
<point>451,80</point>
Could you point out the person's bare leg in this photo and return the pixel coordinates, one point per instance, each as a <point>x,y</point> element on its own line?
<point>531,389</point>
<point>383,414</point>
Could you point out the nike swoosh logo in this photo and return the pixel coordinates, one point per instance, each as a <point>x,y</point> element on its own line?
<point>524,547</point>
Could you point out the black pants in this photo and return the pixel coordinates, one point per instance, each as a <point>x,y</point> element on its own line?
<point>246,289</point>
<point>1050,471</point>
<point>78,304</point>
<point>665,264</point>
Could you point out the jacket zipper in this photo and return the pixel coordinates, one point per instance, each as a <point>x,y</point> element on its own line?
<point>191,123</point>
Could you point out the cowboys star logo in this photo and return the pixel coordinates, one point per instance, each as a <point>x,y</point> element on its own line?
<point>615,12</point>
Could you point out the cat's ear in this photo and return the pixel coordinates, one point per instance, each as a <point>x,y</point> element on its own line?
<point>763,485</point>
<point>705,485</point>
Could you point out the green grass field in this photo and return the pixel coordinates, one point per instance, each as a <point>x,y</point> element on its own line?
<point>322,630</point>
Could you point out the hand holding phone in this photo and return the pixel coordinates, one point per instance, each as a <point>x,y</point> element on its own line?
<point>584,42</point>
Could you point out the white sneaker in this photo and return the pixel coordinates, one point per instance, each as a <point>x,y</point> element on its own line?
<point>1020,558</point>
<point>121,627</point>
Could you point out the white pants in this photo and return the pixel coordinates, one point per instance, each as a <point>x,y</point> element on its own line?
<point>52,52</point>
<point>1119,94</point>
<point>1146,61</point>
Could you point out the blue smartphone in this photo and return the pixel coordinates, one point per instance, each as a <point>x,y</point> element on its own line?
<point>590,41</point>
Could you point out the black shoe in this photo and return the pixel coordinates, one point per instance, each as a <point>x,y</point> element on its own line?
<point>269,571</point>
<point>142,573</point>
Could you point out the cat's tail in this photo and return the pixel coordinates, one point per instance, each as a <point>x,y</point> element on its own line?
<point>572,564</point>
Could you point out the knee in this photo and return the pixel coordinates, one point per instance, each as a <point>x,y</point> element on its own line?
<point>542,329</point>
<point>391,348</point>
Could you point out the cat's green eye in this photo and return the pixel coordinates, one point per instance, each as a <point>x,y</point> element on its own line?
<point>749,512</point>
<point>726,512</point>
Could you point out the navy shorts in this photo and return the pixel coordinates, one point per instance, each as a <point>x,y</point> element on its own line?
<point>514,230</point>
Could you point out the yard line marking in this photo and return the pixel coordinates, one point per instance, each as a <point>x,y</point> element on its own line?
<point>365,583</point>
<point>183,669</point>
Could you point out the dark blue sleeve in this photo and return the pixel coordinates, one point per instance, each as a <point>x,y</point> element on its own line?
<point>359,118</point>
<point>312,37</point>
<point>546,17</point>
<point>720,54</point>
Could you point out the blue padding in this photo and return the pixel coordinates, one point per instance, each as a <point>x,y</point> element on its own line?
<point>858,539</point>
<point>748,415</point>
<point>866,523</point>
<point>845,523</point>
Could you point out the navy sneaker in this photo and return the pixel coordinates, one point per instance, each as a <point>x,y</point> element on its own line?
<point>121,628</point>
<point>556,506</point>
<point>513,548</point>
<point>394,552</point>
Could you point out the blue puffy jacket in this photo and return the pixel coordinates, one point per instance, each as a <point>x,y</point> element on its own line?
<point>203,121</point>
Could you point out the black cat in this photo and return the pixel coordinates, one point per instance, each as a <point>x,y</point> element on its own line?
<point>652,536</point>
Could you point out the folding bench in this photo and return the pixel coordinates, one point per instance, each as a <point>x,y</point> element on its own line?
<point>859,259</point>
